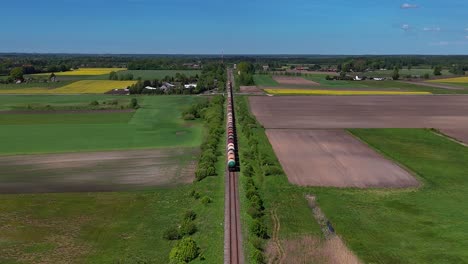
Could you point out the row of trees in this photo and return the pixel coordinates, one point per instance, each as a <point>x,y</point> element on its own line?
<point>212,76</point>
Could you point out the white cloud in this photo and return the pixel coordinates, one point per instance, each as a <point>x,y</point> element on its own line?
<point>433,29</point>
<point>408,6</point>
<point>449,43</point>
<point>466,37</point>
<point>405,27</point>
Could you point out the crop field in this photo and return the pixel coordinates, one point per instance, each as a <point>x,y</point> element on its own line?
<point>451,80</point>
<point>157,124</point>
<point>331,155</point>
<point>159,74</point>
<point>264,80</point>
<point>85,72</point>
<point>146,158</point>
<point>78,87</point>
<point>422,225</point>
<point>280,91</point>
<point>47,85</point>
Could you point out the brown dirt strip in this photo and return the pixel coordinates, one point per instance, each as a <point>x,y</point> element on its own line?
<point>251,90</point>
<point>460,135</point>
<point>436,85</point>
<point>20,112</point>
<point>291,80</point>
<point>96,171</point>
<point>334,158</point>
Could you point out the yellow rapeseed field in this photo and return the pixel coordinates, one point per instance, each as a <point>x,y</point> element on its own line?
<point>87,71</point>
<point>451,80</point>
<point>339,92</point>
<point>79,87</point>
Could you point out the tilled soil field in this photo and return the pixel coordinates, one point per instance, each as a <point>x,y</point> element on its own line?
<point>334,158</point>
<point>313,112</point>
<point>307,136</point>
<point>291,80</point>
<point>96,171</point>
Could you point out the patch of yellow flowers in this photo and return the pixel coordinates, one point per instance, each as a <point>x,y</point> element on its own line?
<point>451,80</point>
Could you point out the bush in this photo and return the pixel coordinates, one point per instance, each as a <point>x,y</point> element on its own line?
<point>134,104</point>
<point>257,243</point>
<point>257,256</point>
<point>206,200</point>
<point>273,170</point>
<point>195,194</point>
<point>189,117</point>
<point>190,215</point>
<point>186,250</point>
<point>172,233</point>
<point>188,228</point>
<point>259,229</point>
<point>254,212</point>
<point>94,103</point>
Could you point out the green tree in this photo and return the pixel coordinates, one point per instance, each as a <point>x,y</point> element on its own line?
<point>17,73</point>
<point>437,70</point>
<point>396,74</point>
<point>185,251</point>
<point>246,67</point>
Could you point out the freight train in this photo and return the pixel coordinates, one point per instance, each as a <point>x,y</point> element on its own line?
<point>231,148</point>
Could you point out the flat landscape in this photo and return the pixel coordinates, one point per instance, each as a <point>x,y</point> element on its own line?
<point>97,171</point>
<point>331,112</point>
<point>93,176</point>
<point>156,124</point>
<point>329,158</point>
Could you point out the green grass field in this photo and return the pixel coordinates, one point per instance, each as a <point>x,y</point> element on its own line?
<point>264,80</point>
<point>156,124</point>
<point>118,227</point>
<point>13,86</point>
<point>159,74</point>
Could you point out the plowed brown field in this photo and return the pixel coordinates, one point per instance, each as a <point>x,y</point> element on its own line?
<point>291,80</point>
<point>334,158</point>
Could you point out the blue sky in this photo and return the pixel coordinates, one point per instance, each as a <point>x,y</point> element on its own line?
<point>235,27</point>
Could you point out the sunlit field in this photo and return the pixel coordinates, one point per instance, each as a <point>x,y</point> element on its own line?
<point>79,87</point>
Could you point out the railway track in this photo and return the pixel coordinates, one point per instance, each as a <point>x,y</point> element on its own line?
<point>232,233</point>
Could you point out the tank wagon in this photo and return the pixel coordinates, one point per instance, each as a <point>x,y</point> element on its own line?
<point>231,147</point>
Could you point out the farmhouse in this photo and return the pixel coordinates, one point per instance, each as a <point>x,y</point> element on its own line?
<point>190,85</point>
